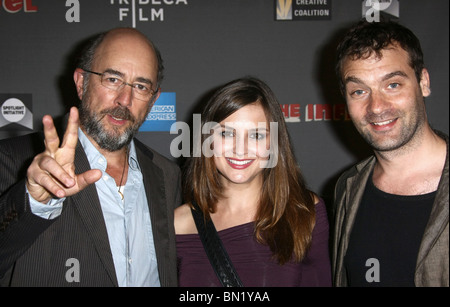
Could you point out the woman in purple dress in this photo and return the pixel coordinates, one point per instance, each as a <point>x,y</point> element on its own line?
<point>247,181</point>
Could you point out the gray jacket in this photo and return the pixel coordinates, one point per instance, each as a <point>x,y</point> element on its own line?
<point>432,266</point>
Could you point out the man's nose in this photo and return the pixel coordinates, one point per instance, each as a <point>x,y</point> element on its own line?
<point>125,95</point>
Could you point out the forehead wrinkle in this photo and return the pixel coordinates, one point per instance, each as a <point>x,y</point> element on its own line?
<point>126,40</point>
<point>353,79</point>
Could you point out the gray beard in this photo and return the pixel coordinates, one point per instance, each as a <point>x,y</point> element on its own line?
<point>110,141</point>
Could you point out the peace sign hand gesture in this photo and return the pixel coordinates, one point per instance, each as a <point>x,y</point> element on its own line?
<point>52,172</point>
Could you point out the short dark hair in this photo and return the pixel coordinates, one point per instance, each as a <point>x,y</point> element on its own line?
<point>366,38</point>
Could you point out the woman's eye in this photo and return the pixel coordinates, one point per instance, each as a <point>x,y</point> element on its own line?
<point>227,133</point>
<point>258,136</point>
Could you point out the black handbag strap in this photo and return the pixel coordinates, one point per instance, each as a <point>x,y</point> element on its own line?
<point>215,250</point>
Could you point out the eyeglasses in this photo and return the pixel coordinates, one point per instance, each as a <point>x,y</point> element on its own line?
<point>141,90</point>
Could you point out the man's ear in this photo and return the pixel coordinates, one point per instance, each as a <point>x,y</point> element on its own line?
<point>154,98</point>
<point>425,83</point>
<point>78,77</point>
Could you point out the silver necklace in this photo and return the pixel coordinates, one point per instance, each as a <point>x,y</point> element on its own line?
<point>123,173</point>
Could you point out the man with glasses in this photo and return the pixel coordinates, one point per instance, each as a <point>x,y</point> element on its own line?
<point>95,209</point>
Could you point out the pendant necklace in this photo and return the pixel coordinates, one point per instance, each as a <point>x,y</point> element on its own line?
<point>123,173</point>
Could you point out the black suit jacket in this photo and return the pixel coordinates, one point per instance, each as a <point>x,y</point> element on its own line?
<point>38,252</point>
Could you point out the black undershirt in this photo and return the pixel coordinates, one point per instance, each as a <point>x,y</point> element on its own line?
<point>388,230</point>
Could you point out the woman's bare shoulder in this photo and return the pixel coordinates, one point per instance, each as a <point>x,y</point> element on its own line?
<point>183,220</point>
<point>316,198</point>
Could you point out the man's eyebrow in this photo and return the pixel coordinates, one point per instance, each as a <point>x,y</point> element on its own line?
<point>144,80</point>
<point>120,74</point>
<point>395,74</point>
<point>113,72</point>
<point>353,80</point>
<point>385,78</point>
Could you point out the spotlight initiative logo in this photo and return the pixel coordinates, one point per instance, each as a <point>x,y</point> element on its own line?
<point>15,112</point>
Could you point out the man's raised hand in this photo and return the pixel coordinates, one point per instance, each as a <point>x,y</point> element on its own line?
<point>52,172</point>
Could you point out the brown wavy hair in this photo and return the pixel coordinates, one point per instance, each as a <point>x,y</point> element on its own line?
<point>286,214</point>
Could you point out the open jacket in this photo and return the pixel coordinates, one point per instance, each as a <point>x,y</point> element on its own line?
<point>432,265</point>
<point>37,252</point>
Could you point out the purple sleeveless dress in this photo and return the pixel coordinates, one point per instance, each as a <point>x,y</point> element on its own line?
<point>254,262</point>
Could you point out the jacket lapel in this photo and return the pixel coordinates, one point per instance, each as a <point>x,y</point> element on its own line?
<point>355,191</point>
<point>439,214</point>
<point>88,206</point>
<point>153,177</point>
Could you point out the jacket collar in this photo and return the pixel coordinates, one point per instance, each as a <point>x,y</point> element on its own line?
<point>439,213</point>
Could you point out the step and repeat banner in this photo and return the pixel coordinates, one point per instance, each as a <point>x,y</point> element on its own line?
<point>289,44</point>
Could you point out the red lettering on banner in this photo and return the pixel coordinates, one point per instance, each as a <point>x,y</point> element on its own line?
<point>285,109</point>
<point>29,7</point>
<point>320,112</point>
<point>309,112</point>
<point>14,6</point>
<point>291,111</point>
<point>295,110</point>
<point>323,111</point>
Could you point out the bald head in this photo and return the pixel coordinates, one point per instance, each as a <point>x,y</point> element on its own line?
<point>123,38</point>
<point>121,32</point>
<point>126,41</point>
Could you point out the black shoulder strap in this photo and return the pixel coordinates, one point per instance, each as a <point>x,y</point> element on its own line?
<point>215,250</point>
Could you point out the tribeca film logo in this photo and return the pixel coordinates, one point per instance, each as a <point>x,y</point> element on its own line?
<point>15,111</point>
<point>372,9</point>
<point>144,10</point>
